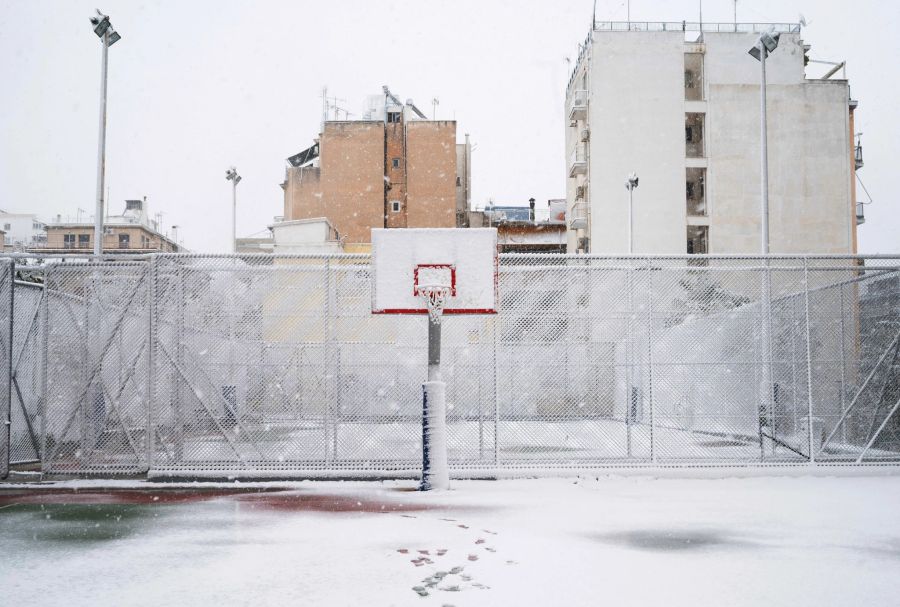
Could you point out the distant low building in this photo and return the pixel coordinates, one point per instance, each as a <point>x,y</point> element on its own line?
<point>22,230</point>
<point>132,232</point>
<point>525,229</point>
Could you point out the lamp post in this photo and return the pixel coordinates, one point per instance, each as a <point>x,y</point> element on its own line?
<point>630,184</point>
<point>232,175</point>
<point>767,42</point>
<point>108,36</point>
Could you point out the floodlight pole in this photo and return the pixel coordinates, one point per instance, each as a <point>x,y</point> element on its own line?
<point>766,43</point>
<point>101,152</point>
<point>232,175</point>
<point>764,151</point>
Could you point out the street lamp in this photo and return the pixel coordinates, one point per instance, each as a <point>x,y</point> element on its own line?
<point>630,184</point>
<point>767,42</point>
<point>109,36</point>
<point>232,175</point>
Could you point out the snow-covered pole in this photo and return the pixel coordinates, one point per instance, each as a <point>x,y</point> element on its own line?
<point>435,474</point>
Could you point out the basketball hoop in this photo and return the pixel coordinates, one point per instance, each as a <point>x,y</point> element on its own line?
<point>435,297</point>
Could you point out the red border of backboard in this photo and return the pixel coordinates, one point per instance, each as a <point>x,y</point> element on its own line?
<point>460,311</point>
<point>435,265</point>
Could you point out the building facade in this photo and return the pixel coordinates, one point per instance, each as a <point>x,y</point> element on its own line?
<point>23,230</point>
<point>679,105</point>
<point>394,168</point>
<point>131,232</point>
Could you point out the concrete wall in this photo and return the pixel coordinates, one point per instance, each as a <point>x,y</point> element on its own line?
<point>636,113</point>
<point>809,142</point>
<point>431,174</point>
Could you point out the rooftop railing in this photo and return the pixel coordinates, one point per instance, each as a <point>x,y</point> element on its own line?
<point>694,26</point>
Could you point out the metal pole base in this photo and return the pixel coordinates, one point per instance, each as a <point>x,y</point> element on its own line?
<point>435,471</point>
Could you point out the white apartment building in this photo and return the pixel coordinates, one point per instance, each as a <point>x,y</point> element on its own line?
<point>22,230</point>
<point>679,105</point>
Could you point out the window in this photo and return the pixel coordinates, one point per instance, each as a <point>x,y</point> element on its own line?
<point>393,116</point>
<point>395,163</point>
<point>68,241</point>
<point>693,76</point>
<point>695,191</point>
<point>458,181</point>
<point>84,241</point>
<point>395,206</point>
<point>693,135</point>
<point>697,240</point>
<point>124,241</point>
<point>7,226</point>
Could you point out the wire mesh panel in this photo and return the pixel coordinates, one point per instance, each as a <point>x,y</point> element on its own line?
<point>855,337</point>
<point>28,372</point>
<point>7,270</point>
<point>98,344</point>
<point>258,364</point>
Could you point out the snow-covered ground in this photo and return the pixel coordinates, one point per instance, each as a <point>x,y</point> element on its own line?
<point>613,541</point>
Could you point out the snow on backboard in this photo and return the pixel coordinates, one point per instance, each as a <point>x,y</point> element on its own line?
<point>397,253</point>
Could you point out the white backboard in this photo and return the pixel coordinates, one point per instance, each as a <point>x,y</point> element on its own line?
<point>465,257</point>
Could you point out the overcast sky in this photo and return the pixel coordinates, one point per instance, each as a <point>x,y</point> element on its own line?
<point>197,86</point>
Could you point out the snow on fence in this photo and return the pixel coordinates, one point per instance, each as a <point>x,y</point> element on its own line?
<point>221,365</point>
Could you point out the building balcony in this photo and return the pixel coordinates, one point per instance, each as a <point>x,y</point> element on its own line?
<point>858,156</point>
<point>578,162</point>
<point>578,106</point>
<point>579,216</point>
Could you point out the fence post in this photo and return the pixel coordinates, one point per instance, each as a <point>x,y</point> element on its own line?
<point>496,369</point>
<point>7,388</point>
<point>151,358</point>
<point>809,419</point>
<point>330,386</point>
<point>43,403</point>
<point>650,360</point>
<point>843,366</point>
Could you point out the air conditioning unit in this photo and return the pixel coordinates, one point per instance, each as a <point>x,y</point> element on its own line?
<point>579,192</point>
<point>585,134</point>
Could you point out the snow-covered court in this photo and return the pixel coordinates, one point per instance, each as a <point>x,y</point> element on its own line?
<point>608,541</point>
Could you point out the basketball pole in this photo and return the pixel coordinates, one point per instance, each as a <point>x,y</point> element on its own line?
<point>435,473</point>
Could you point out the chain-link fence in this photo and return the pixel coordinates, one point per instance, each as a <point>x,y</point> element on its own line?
<point>221,365</point>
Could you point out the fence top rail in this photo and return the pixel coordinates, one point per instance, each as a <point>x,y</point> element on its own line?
<point>503,256</point>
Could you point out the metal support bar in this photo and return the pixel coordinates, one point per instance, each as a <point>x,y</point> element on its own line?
<point>861,389</point>
<point>878,432</point>
<point>809,393</point>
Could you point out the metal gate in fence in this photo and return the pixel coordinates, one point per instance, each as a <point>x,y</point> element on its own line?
<point>221,365</point>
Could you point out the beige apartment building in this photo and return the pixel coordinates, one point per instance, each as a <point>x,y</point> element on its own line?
<point>394,168</point>
<point>679,105</point>
<point>129,233</point>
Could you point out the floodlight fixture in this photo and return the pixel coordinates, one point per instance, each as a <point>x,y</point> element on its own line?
<point>632,181</point>
<point>768,42</point>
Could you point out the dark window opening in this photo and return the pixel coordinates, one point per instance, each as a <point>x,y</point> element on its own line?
<point>395,163</point>
<point>695,191</point>
<point>84,241</point>
<point>693,135</point>
<point>124,241</point>
<point>393,117</point>
<point>68,241</point>
<point>697,240</point>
